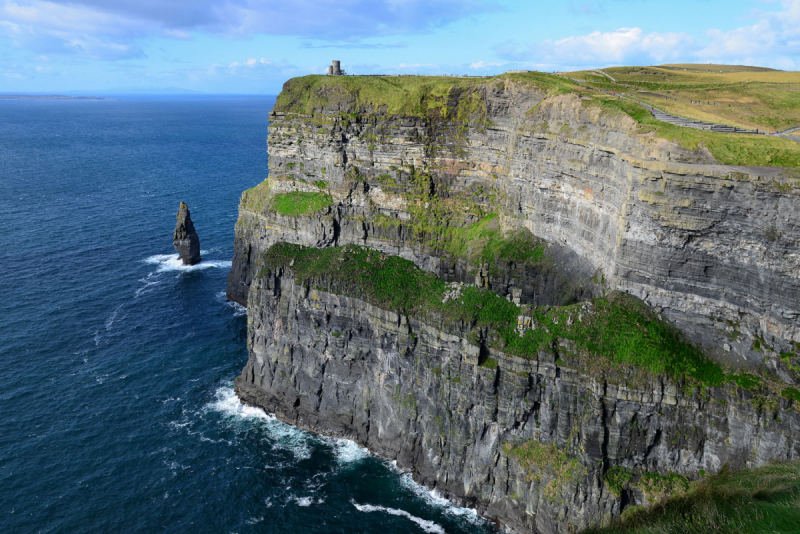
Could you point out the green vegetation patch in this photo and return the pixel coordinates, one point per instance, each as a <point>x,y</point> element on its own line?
<point>654,486</point>
<point>539,459</point>
<point>460,228</point>
<point>621,329</point>
<point>300,203</point>
<point>419,96</point>
<point>730,149</point>
<point>257,198</point>
<point>606,332</point>
<point>763,500</point>
<point>617,479</point>
<point>484,242</point>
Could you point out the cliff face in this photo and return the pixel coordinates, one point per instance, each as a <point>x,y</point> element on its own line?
<point>534,444</point>
<point>715,247</point>
<point>545,199</point>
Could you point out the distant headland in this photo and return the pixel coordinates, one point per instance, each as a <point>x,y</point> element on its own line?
<point>52,97</point>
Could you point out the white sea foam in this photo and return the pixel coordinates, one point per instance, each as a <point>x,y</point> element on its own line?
<point>238,309</point>
<point>304,501</point>
<point>283,435</point>
<point>433,498</point>
<point>148,281</point>
<point>112,317</point>
<point>347,451</point>
<point>427,526</point>
<point>172,262</point>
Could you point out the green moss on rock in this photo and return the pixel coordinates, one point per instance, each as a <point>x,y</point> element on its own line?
<point>300,203</point>
<point>606,334</point>
<point>539,460</point>
<point>257,198</point>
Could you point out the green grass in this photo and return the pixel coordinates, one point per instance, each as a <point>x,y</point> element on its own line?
<point>617,479</point>
<point>257,198</point>
<point>730,149</point>
<point>609,334</point>
<point>440,224</point>
<point>538,459</point>
<point>300,203</point>
<point>763,500</point>
<point>484,242</point>
<point>401,95</point>
<point>759,99</point>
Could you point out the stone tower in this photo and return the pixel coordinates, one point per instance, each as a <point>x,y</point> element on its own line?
<point>335,68</point>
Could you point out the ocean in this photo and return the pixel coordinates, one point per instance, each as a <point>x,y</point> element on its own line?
<point>116,363</point>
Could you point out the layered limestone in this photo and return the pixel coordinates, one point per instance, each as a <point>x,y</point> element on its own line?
<point>530,443</point>
<point>715,247</point>
<point>185,239</point>
<point>533,443</point>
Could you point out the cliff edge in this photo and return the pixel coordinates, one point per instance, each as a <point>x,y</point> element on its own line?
<point>568,211</point>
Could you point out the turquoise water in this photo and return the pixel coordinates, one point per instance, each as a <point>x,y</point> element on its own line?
<point>116,405</point>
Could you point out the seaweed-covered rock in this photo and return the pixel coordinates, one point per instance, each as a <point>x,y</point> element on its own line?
<point>185,239</point>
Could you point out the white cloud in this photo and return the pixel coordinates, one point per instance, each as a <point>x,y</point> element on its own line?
<point>108,29</point>
<point>252,65</point>
<point>625,45</point>
<point>483,65</point>
<point>53,28</point>
<point>772,40</point>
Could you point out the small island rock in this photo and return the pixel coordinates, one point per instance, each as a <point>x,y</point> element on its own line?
<point>186,242</point>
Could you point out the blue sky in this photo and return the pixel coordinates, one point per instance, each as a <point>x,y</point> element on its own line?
<point>253,46</point>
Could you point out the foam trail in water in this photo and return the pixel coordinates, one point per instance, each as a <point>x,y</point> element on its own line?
<point>433,498</point>
<point>172,262</point>
<point>147,283</point>
<point>427,526</point>
<point>284,436</point>
<point>238,309</point>
<point>113,317</point>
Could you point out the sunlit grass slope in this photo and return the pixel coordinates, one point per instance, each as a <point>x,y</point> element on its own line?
<point>765,500</point>
<point>748,97</point>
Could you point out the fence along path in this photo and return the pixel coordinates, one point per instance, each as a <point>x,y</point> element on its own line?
<point>687,123</point>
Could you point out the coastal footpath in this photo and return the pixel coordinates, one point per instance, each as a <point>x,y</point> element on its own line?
<point>590,317</point>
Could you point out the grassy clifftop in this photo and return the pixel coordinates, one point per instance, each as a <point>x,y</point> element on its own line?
<point>413,96</point>
<point>771,100</point>
<point>748,97</point>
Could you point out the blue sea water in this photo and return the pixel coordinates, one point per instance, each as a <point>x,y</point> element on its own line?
<point>117,412</point>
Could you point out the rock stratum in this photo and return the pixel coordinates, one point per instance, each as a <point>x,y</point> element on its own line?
<point>563,209</point>
<point>185,239</point>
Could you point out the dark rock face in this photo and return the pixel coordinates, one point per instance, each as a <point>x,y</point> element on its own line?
<point>185,239</point>
<point>712,247</point>
<point>419,395</point>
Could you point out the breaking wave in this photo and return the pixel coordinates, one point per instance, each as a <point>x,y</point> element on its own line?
<point>172,262</point>
<point>427,526</point>
<point>283,435</point>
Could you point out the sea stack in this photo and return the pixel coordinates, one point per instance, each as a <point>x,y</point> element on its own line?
<point>187,244</point>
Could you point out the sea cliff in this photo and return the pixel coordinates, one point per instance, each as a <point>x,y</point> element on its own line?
<point>528,188</point>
